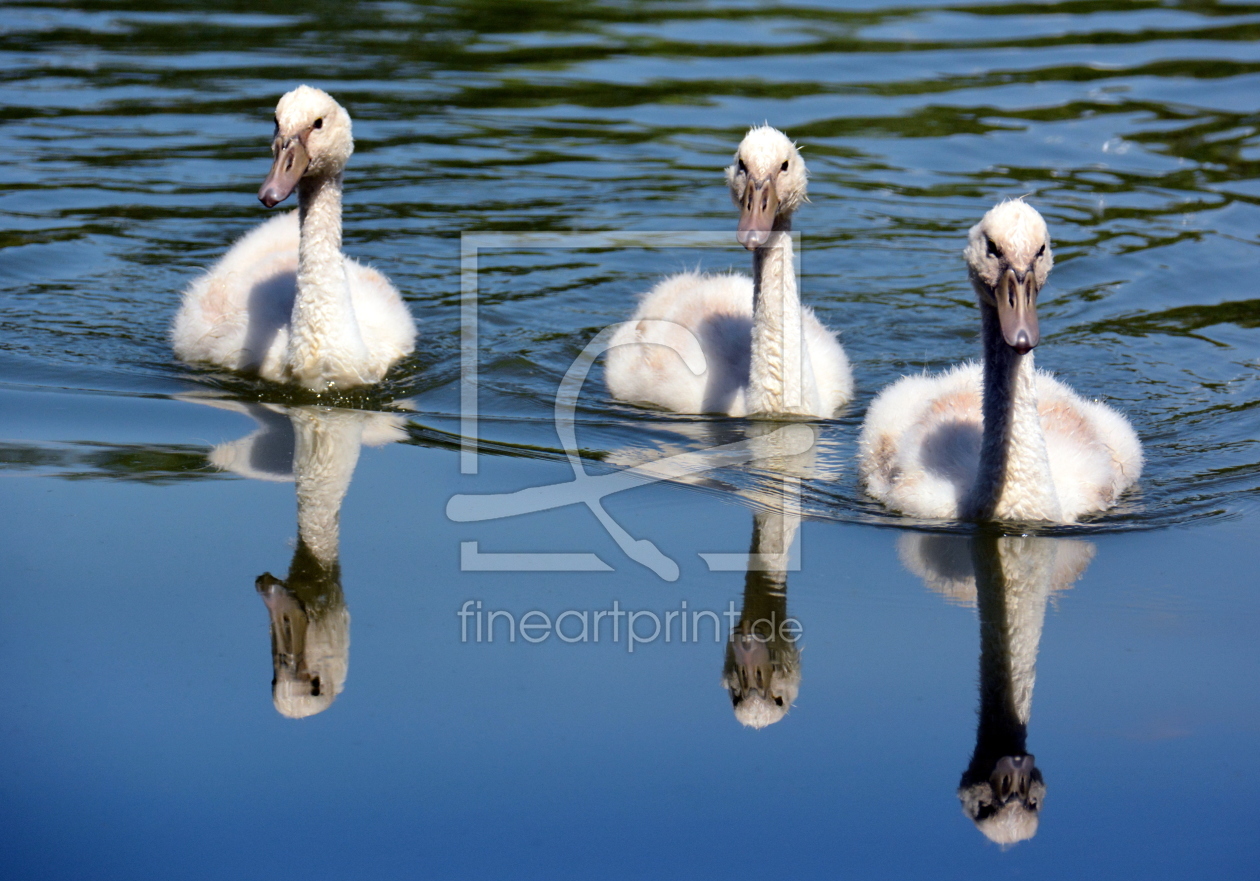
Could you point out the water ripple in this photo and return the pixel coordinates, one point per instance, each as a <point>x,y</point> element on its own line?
<point>131,141</point>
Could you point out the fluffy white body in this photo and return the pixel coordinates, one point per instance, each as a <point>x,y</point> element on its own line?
<point>716,311</point>
<point>239,315</point>
<point>284,303</point>
<point>920,448</point>
<point>764,352</point>
<point>1002,440</point>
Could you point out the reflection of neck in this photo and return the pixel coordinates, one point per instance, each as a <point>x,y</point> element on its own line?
<point>780,375</point>
<point>762,666</point>
<point>1013,581</point>
<point>1013,481</point>
<point>325,343</point>
<point>326,450</point>
<point>765,585</point>
<point>316,585</point>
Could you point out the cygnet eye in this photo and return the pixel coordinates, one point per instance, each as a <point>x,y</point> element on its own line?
<point>994,250</point>
<point>319,123</point>
<point>1041,250</point>
<point>743,169</point>
<point>784,166</point>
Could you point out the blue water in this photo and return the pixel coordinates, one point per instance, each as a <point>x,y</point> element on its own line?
<point>140,737</point>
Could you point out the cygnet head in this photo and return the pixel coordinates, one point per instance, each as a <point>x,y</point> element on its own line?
<point>767,182</point>
<point>312,139</point>
<point>762,675</point>
<point>310,650</point>
<point>1007,806</point>
<point>1008,253</point>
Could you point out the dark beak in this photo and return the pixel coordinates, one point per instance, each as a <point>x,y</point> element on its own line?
<point>1013,778</point>
<point>1016,297</point>
<point>752,664</point>
<point>286,171</point>
<point>756,216</point>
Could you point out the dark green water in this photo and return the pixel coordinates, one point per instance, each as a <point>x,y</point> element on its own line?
<point>140,738</point>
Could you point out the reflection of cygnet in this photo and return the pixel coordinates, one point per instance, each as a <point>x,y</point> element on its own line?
<point>763,664</point>
<point>317,448</point>
<point>762,670</point>
<point>749,458</point>
<point>1010,579</point>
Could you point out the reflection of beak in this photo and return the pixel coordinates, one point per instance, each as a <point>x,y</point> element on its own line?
<point>752,664</point>
<point>1012,779</point>
<point>756,215</point>
<point>1017,310</point>
<point>288,622</point>
<point>286,171</point>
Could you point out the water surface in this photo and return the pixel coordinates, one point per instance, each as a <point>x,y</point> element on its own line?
<point>144,497</point>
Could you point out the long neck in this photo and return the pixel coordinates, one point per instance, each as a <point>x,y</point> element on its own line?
<point>765,586</point>
<point>1014,578</point>
<point>314,583</point>
<point>325,346</point>
<point>762,668</point>
<point>1013,481</point>
<point>780,375</point>
<point>326,450</point>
